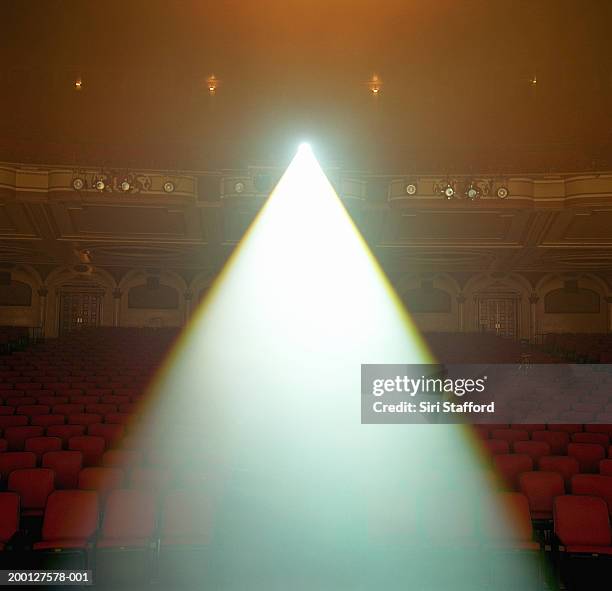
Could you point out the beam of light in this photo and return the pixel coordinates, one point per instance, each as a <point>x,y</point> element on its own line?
<point>263,395</point>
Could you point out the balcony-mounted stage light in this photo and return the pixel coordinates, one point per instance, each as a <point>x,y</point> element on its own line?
<point>169,187</point>
<point>375,85</point>
<point>99,185</point>
<point>125,186</point>
<point>239,187</point>
<point>503,192</point>
<point>411,189</point>
<point>212,84</point>
<point>472,191</point>
<point>448,191</point>
<point>78,84</point>
<point>78,183</point>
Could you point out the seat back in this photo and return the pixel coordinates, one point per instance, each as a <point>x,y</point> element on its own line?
<point>33,485</point>
<point>540,488</point>
<point>588,456</point>
<point>70,515</point>
<point>14,460</point>
<point>102,480</point>
<point>9,515</point>
<point>581,521</point>
<point>564,465</point>
<point>509,466</point>
<point>129,514</point>
<point>594,485</point>
<point>41,445</point>
<point>66,465</point>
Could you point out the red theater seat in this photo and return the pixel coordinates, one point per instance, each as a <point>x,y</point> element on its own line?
<point>9,517</point>
<point>32,410</point>
<point>66,465</point>
<point>582,524</point>
<point>33,485</point>
<point>111,433</point>
<point>153,479</point>
<point>91,447</point>
<point>564,465</point>
<point>509,466</point>
<point>7,421</point>
<point>71,519</point>
<point>67,409</point>
<point>41,445</point>
<point>84,419</point>
<point>588,456</point>
<point>14,460</point>
<point>129,519</point>
<point>605,467</point>
<point>496,446</point>
<point>121,458</point>
<point>534,449</point>
<point>16,436</point>
<point>598,438</point>
<point>507,522</point>
<point>594,485</point>
<point>510,434</point>
<point>47,420</point>
<point>558,440</point>
<point>541,488</point>
<point>65,432</point>
<point>102,480</point>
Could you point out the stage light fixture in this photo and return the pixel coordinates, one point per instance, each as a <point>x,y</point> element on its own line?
<point>125,185</point>
<point>472,192</point>
<point>212,84</point>
<point>502,192</point>
<point>78,183</point>
<point>448,191</point>
<point>375,85</point>
<point>411,189</point>
<point>239,187</point>
<point>169,187</point>
<point>100,185</point>
<point>78,84</point>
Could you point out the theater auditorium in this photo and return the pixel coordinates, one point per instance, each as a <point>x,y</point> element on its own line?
<point>230,230</point>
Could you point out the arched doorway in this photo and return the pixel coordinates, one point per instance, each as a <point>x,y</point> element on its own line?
<point>80,306</point>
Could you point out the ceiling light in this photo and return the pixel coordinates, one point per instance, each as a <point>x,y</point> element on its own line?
<point>78,83</point>
<point>211,84</point>
<point>125,185</point>
<point>169,187</point>
<point>448,191</point>
<point>100,185</point>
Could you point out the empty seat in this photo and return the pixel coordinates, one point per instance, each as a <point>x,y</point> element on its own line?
<point>510,434</point>
<point>507,522</point>
<point>564,465</point>
<point>3,445</point>
<point>566,428</point>
<point>20,400</point>
<point>112,433</point>
<point>9,517</point>
<point>534,449</point>
<point>41,445</point>
<point>154,479</point>
<point>84,419</point>
<point>100,409</point>
<point>66,465</point>
<point>558,440</point>
<point>594,485</point>
<point>496,446</point>
<point>541,488</point>
<point>599,438</point>
<point>14,460</point>
<point>102,480</point>
<point>121,458</point>
<point>588,456</point>
<point>51,401</point>
<point>121,418</point>
<point>47,420</point>
<point>71,519</point>
<point>582,524</point>
<point>33,485</point>
<point>7,421</point>
<point>90,446</point>
<point>126,544</point>
<point>605,467</point>
<point>67,409</point>
<point>32,410</point>
<point>509,466</point>
<point>7,411</point>
<point>16,436</point>
<point>65,432</point>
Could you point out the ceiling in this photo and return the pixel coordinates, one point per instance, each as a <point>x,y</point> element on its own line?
<point>456,91</point>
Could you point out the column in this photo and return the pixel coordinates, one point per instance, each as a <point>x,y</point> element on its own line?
<point>116,306</point>
<point>609,302</point>
<point>533,317</point>
<point>475,315</point>
<point>461,312</point>
<point>42,315</point>
<point>188,295</point>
